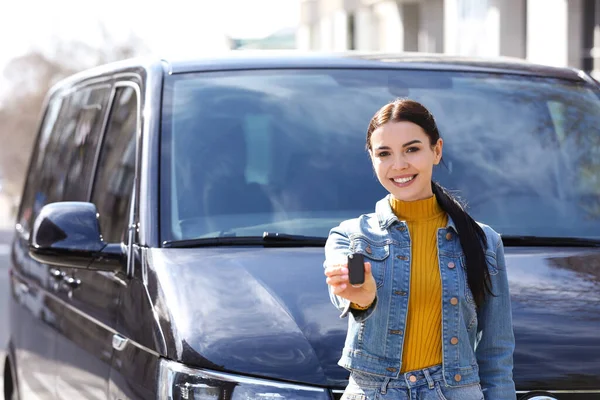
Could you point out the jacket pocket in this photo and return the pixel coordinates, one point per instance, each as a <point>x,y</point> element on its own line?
<point>375,253</point>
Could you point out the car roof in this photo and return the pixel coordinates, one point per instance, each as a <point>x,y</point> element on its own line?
<point>266,59</point>
<point>295,59</point>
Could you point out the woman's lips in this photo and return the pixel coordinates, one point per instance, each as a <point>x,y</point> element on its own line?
<point>403,181</point>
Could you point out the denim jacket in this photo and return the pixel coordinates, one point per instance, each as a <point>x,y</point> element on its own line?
<point>483,352</point>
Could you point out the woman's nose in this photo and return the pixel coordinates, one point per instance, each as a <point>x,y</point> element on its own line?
<point>400,163</point>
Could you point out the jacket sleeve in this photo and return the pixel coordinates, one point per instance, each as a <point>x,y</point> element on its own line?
<point>497,342</point>
<point>337,249</point>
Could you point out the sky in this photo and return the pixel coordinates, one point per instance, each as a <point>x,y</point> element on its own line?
<point>174,28</point>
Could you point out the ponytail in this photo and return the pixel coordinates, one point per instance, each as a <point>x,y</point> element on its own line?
<point>472,240</point>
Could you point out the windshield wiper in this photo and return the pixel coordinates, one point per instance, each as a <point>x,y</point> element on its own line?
<point>284,237</point>
<point>268,239</point>
<point>275,239</point>
<point>516,240</point>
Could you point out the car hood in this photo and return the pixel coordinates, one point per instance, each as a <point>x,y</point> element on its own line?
<point>257,311</point>
<point>266,312</point>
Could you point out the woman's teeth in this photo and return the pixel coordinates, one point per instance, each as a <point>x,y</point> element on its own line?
<point>404,180</point>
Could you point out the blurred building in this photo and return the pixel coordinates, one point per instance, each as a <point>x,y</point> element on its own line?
<point>284,39</point>
<point>553,32</point>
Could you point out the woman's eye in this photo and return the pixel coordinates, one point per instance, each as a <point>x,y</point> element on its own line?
<point>412,149</point>
<point>383,154</point>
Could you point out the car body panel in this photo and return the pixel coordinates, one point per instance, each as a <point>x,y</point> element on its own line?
<point>266,312</point>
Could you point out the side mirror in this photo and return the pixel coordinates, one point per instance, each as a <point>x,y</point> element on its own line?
<point>68,234</point>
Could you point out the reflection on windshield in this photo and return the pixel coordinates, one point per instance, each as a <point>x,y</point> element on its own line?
<point>283,151</point>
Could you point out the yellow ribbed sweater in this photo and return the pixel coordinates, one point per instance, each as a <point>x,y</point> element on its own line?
<point>423,333</point>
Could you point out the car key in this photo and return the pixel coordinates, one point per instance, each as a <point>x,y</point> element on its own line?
<point>356,269</point>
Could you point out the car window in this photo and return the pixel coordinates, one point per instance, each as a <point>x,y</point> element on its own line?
<point>32,197</point>
<point>116,166</point>
<point>85,133</point>
<point>252,151</point>
<point>63,161</point>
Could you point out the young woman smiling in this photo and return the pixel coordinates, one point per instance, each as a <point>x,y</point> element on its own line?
<point>432,319</point>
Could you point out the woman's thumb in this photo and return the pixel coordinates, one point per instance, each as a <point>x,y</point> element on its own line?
<point>367,268</point>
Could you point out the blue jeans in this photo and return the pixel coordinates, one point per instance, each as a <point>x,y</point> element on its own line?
<point>425,384</point>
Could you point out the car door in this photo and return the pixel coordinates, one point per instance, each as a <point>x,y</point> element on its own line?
<point>85,346</point>
<point>112,194</point>
<point>74,147</point>
<point>34,307</point>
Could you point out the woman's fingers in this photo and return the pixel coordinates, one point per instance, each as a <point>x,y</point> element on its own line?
<point>336,280</point>
<point>339,289</point>
<point>336,270</point>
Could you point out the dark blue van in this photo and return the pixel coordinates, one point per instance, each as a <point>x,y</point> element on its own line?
<point>169,243</point>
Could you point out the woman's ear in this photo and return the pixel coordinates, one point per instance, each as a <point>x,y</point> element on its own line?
<point>437,151</point>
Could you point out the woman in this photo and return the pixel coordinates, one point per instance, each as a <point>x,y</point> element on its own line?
<point>432,319</point>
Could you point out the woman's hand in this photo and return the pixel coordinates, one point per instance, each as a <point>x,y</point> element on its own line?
<point>337,278</point>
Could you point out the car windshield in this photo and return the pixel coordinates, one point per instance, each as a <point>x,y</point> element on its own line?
<point>247,152</point>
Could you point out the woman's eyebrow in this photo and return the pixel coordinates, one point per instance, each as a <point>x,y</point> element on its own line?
<point>411,142</point>
<point>404,145</point>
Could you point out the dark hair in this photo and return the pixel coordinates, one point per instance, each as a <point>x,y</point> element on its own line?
<point>471,235</point>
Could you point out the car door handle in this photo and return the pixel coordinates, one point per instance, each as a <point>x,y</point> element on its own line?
<point>119,342</point>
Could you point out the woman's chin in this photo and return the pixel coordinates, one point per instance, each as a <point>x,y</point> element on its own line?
<point>410,195</point>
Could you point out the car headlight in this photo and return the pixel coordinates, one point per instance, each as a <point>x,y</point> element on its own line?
<point>178,382</point>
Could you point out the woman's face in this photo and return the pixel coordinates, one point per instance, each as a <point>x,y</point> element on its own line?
<point>403,159</point>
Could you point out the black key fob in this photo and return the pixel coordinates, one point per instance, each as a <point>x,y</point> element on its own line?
<point>356,269</point>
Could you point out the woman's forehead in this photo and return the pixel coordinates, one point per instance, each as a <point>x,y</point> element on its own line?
<point>398,132</point>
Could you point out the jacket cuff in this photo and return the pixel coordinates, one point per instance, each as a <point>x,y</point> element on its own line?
<point>359,315</point>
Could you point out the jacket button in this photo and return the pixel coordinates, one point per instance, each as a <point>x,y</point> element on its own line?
<point>448,236</point>
<point>368,250</point>
<point>457,377</point>
<point>404,258</point>
<point>412,378</point>
<point>400,292</point>
<point>391,369</point>
<point>394,332</point>
<point>454,301</point>
<point>451,265</point>
<point>454,340</point>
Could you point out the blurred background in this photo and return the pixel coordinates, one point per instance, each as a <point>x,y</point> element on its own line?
<point>42,42</point>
